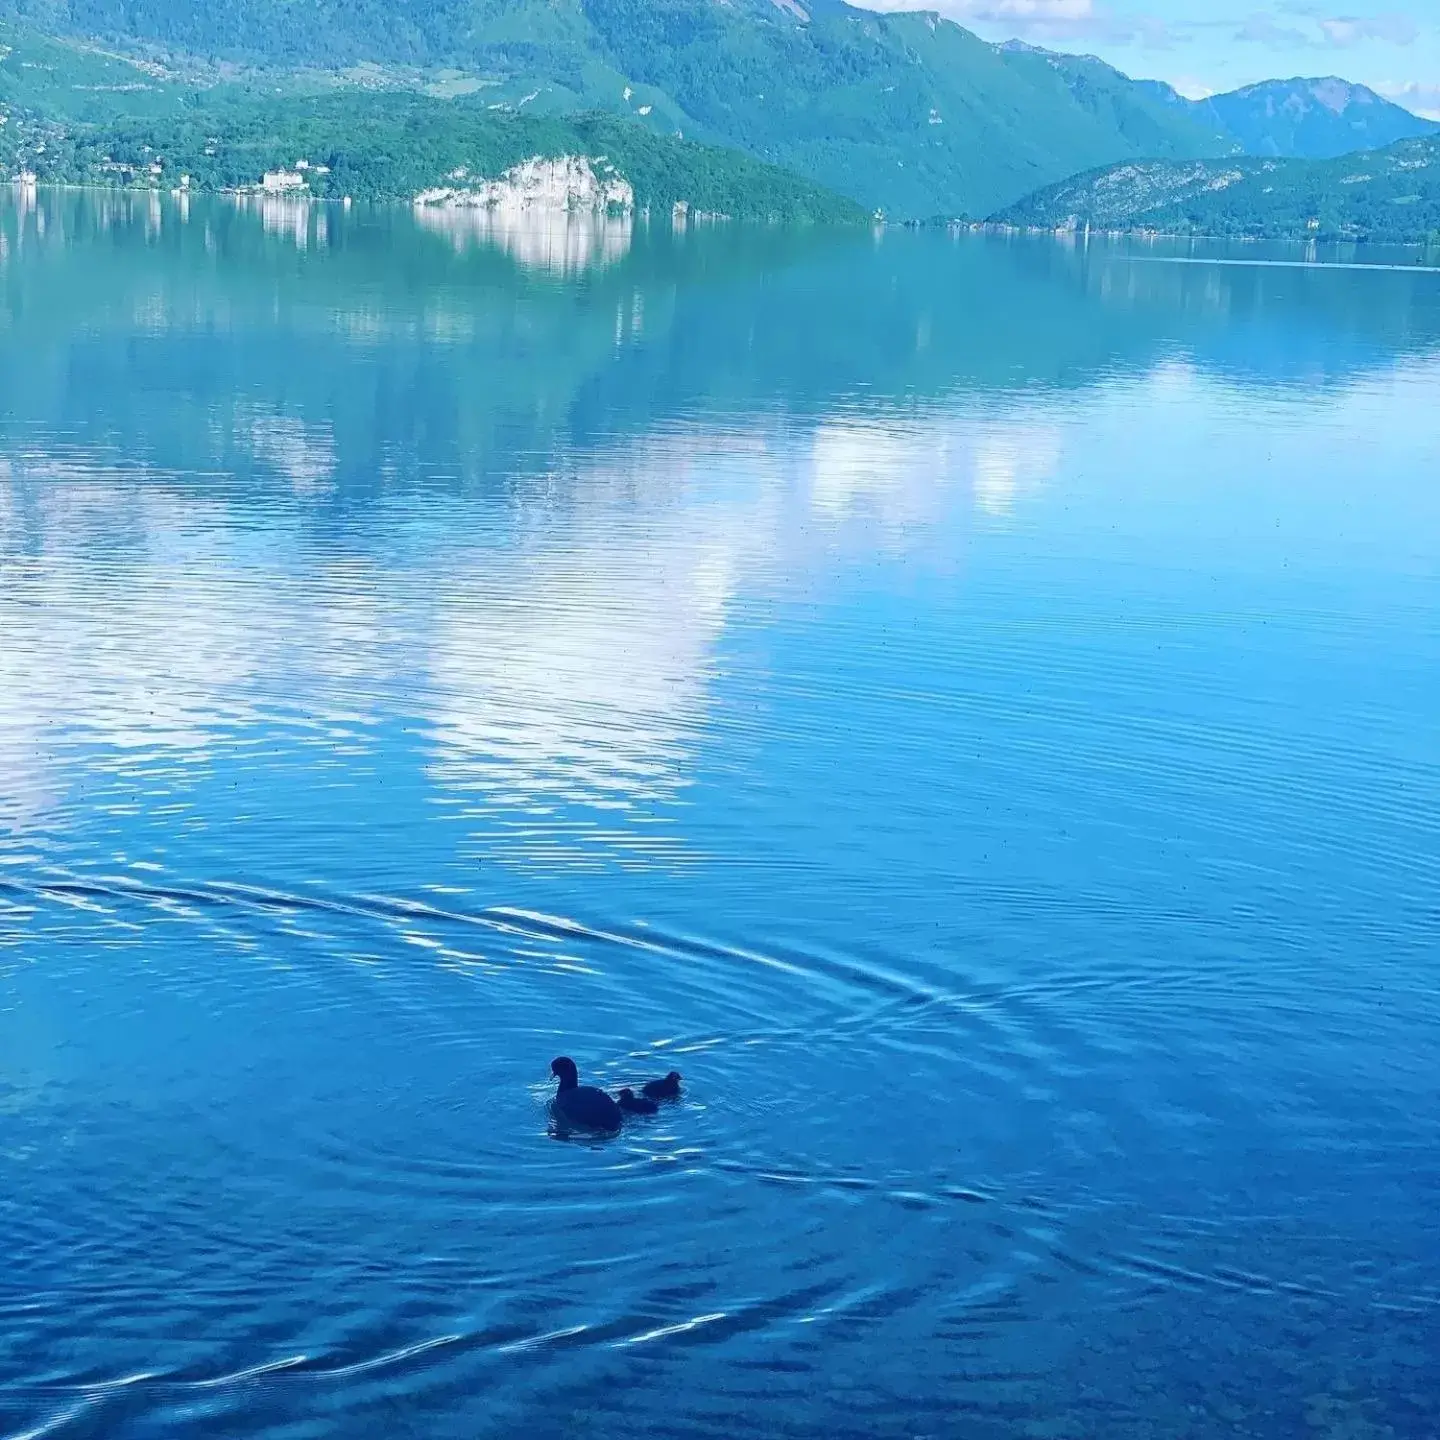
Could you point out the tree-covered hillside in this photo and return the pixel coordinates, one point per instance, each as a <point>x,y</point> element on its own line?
<point>905,112</point>
<point>1385,195</point>
<point>392,147</point>
<point>909,111</point>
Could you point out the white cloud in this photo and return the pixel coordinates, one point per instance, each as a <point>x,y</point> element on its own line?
<point>1059,12</point>
<point>1264,30</point>
<point>1421,99</point>
<point>1041,21</point>
<point>1043,10</point>
<point>1342,32</point>
<point>1310,30</point>
<point>1192,88</point>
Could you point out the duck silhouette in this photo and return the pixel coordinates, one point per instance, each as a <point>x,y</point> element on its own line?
<point>633,1104</point>
<point>665,1089</point>
<point>582,1105</point>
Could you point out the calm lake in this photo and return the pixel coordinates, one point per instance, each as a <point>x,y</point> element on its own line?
<point>968,704</point>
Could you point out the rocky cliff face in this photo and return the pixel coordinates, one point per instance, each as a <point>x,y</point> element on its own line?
<point>564,184</point>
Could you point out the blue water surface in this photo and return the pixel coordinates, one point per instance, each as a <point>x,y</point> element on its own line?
<point>969,704</point>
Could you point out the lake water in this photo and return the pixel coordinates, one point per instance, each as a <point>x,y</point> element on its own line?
<point>970,705</point>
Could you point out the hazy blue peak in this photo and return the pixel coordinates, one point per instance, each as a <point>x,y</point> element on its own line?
<point>1314,118</point>
<point>1331,91</point>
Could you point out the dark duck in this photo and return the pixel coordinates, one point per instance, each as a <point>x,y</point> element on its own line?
<point>582,1105</point>
<point>666,1089</point>
<point>633,1104</point>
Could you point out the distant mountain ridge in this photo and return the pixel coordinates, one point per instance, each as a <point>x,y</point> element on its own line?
<point>904,112</point>
<point>1313,119</point>
<point>1383,195</point>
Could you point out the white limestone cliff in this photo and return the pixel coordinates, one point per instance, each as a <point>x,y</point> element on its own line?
<point>565,183</point>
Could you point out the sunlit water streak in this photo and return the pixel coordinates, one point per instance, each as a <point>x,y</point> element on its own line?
<point>966,704</point>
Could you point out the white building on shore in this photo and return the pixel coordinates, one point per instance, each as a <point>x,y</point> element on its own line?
<point>282,182</point>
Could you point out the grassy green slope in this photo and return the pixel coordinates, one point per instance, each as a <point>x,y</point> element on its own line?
<point>78,79</point>
<point>1383,195</point>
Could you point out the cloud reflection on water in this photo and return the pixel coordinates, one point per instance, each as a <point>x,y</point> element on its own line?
<point>524,536</point>
<point>561,652</point>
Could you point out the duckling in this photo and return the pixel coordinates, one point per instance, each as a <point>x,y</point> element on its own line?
<point>666,1089</point>
<point>634,1104</point>
<point>582,1105</point>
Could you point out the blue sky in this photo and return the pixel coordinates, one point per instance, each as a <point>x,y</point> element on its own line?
<point>1202,46</point>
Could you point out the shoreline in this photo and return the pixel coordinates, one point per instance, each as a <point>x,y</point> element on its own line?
<point>681,215</point>
<point>644,215</point>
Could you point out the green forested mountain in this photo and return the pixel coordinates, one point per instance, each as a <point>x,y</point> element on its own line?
<point>908,112</point>
<point>73,113</point>
<point>1384,195</point>
<point>905,112</point>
